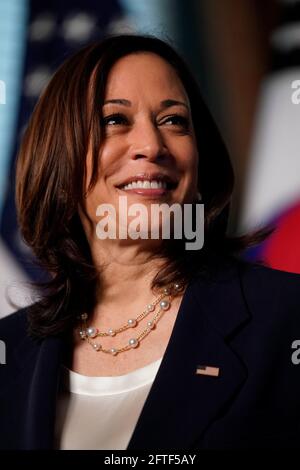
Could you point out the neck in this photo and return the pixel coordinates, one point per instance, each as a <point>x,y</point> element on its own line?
<point>125,278</point>
<point>125,298</point>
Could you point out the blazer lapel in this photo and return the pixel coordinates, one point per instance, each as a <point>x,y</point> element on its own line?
<point>182,404</point>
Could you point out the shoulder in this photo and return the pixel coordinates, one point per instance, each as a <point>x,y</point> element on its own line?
<point>257,310</point>
<point>258,282</point>
<point>264,277</point>
<point>253,279</point>
<point>260,298</point>
<point>14,333</point>
<point>272,300</point>
<point>273,291</point>
<point>14,324</point>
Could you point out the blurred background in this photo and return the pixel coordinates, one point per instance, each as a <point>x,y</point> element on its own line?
<point>246,55</point>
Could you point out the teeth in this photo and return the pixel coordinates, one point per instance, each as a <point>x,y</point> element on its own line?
<point>146,185</point>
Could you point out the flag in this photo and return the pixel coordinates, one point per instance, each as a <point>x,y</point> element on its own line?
<point>272,194</point>
<point>208,370</point>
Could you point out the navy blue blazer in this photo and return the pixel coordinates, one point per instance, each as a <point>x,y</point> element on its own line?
<point>243,321</point>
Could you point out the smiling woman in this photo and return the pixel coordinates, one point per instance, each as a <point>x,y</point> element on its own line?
<point>140,343</point>
<point>133,113</point>
<point>149,150</point>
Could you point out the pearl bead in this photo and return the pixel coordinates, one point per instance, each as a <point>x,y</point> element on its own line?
<point>166,290</point>
<point>177,286</point>
<point>84,316</point>
<point>165,304</point>
<point>97,346</point>
<point>133,342</point>
<point>91,332</point>
<point>111,332</point>
<point>113,351</point>
<point>131,322</point>
<point>150,325</point>
<point>150,307</point>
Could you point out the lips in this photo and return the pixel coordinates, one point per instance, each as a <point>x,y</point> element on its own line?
<point>148,181</point>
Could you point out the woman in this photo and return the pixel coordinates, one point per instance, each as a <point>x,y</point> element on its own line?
<point>139,343</point>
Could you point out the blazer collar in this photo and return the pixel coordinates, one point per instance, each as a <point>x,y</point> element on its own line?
<point>181,404</point>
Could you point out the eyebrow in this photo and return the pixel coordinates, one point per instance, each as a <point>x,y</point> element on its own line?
<point>164,104</point>
<point>118,101</point>
<point>168,103</point>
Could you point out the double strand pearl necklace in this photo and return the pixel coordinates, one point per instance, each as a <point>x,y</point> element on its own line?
<point>89,333</point>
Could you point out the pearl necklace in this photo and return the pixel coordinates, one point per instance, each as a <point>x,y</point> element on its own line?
<point>89,333</point>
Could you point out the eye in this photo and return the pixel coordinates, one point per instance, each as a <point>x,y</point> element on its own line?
<point>176,120</point>
<point>114,120</point>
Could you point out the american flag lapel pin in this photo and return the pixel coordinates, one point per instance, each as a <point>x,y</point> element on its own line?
<point>208,370</point>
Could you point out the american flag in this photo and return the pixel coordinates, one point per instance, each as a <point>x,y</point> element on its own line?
<point>210,371</point>
<point>272,195</point>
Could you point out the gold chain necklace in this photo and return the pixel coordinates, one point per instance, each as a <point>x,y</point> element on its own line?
<point>89,333</point>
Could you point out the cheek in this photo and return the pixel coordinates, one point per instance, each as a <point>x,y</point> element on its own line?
<point>111,159</point>
<point>189,172</point>
<point>108,161</point>
<point>111,150</point>
<point>188,159</point>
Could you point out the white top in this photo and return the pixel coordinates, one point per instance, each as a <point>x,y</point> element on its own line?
<point>95,413</point>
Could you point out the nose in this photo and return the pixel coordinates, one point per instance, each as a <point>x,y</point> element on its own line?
<point>147,142</point>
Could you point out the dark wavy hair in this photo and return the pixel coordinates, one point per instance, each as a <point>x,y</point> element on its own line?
<point>51,173</point>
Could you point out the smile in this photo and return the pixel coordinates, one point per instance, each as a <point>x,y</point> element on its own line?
<point>151,185</point>
<point>145,185</point>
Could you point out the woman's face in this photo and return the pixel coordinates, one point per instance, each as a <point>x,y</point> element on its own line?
<point>149,151</point>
